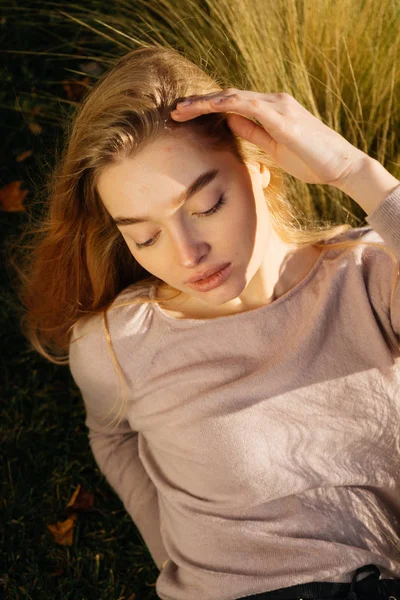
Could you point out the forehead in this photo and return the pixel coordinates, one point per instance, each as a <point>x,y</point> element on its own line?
<point>161,171</point>
<point>173,158</point>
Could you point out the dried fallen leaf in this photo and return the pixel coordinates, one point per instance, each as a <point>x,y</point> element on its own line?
<point>74,496</point>
<point>63,531</point>
<point>81,501</point>
<point>12,197</point>
<point>75,89</point>
<point>34,127</point>
<point>24,155</point>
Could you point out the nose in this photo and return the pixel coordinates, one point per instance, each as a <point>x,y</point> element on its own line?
<point>188,249</point>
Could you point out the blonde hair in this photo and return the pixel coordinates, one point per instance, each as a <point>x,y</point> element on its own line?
<point>78,262</point>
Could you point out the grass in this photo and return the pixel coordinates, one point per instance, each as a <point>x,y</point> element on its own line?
<point>44,450</point>
<point>340,60</point>
<point>44,455</point>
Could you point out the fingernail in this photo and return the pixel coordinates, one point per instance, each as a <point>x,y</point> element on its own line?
<point>185,103</point>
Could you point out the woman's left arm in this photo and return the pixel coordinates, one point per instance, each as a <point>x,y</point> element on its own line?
<point>369,184</point>
<point>300,143</point>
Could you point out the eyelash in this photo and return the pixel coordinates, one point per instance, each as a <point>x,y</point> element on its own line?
<point>208,213</point>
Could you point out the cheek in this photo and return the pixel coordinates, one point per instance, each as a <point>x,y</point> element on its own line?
<point>147,260</point>
<point>246,213</point>
<point>246,223</point>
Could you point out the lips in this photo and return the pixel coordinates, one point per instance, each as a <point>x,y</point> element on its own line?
<point>207,273</point>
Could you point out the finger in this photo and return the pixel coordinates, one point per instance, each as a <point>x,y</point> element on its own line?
<point>197,106</point>
<point>265,112</point>
<point>252,132</point>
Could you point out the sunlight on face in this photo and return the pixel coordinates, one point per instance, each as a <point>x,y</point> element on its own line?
<point>177,242</point>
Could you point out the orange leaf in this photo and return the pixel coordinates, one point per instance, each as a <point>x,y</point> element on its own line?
<point>81,501</point>
<point>24,155</point>
<point>12,196</point>
<point>74,495</point>
<point>75,89</point>
<point>63,531</point>
<point>34,127</point>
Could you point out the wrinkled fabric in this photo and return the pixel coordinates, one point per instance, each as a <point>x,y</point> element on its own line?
<point>258,450</point>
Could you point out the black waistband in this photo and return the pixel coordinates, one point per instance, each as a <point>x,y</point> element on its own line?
<point>369,588</point>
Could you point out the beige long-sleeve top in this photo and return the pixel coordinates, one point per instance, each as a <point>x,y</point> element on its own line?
<point>262,449</point>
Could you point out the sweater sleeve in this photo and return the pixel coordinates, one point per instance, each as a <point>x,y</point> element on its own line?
<point>115,449</point>
<point>385,221</point>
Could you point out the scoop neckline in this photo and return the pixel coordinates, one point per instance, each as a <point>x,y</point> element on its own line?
<point>267,307</point>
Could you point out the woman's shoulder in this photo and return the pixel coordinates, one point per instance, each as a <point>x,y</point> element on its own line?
<point>124,316</point>
<point>131,300</point>
<point>366,245</point>
<point>364,233</point>
<point>373,262</point>
<point>97,338</point>
<point>369,253</point>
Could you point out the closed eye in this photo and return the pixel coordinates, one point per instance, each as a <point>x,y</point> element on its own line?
<point>212,211</point>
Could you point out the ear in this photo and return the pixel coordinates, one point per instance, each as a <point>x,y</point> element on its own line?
<point>261,170</point>
<point>265,175</point>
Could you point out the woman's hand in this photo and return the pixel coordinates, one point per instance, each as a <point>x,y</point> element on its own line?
<point>297,141</point>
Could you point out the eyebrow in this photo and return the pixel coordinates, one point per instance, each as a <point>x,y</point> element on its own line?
<point>195,187</point>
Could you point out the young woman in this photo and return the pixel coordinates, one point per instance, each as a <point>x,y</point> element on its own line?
<point>257,444</point>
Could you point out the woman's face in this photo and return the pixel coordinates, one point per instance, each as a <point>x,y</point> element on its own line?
<point>180,242</point>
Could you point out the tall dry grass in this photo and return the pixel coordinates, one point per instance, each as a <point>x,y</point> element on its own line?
<point>338,58</point>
